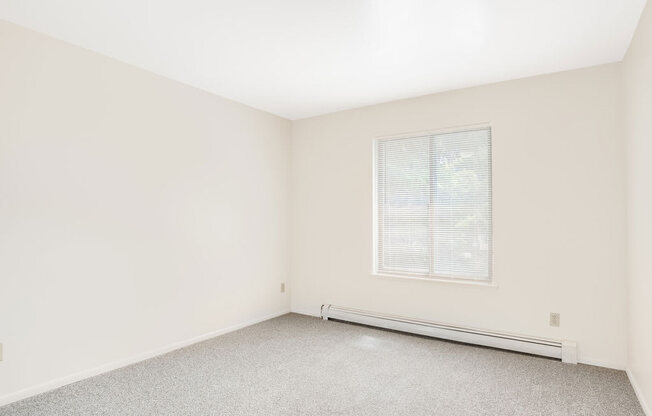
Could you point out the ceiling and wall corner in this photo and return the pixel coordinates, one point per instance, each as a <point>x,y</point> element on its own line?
<point>297,58</point>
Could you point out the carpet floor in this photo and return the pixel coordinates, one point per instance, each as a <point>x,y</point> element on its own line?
<point>298,365</point>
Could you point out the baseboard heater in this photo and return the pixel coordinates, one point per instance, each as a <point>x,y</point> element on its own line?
<point>564,350</point>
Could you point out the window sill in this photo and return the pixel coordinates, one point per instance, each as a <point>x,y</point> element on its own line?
<point>469,282</point>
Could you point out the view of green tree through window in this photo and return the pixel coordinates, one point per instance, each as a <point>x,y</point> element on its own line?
<point>433,205</point>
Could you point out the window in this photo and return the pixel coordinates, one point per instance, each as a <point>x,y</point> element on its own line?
<point>433,205</point>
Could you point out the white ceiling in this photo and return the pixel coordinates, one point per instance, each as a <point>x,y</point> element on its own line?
<point>300,58</point>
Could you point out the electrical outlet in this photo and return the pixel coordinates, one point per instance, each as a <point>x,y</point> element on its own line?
<point>283,287</point>
<point>554,319</point>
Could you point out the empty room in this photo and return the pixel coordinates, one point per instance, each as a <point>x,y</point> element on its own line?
<point>325,207</point>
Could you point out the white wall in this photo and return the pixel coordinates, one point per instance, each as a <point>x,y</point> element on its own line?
<point>559,210</point>
<point>135,211</point>
<point>637,71</point>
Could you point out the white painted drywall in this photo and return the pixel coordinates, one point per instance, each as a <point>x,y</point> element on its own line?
<point>559,210</point>
<point>637,76</point>
<point>135,211</point>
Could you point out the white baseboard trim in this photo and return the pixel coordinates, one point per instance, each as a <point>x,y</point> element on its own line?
<point>601,363</point>
<point>306,312</point>
<point>639,394</point>
<point>114,365</point>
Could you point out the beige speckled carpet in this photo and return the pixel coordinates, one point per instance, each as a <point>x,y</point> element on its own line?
<point>298,365</point>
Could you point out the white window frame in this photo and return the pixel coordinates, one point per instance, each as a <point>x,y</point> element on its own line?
<point>490,281</point>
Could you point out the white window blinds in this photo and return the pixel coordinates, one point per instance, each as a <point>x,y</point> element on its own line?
<point>433,205</point>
